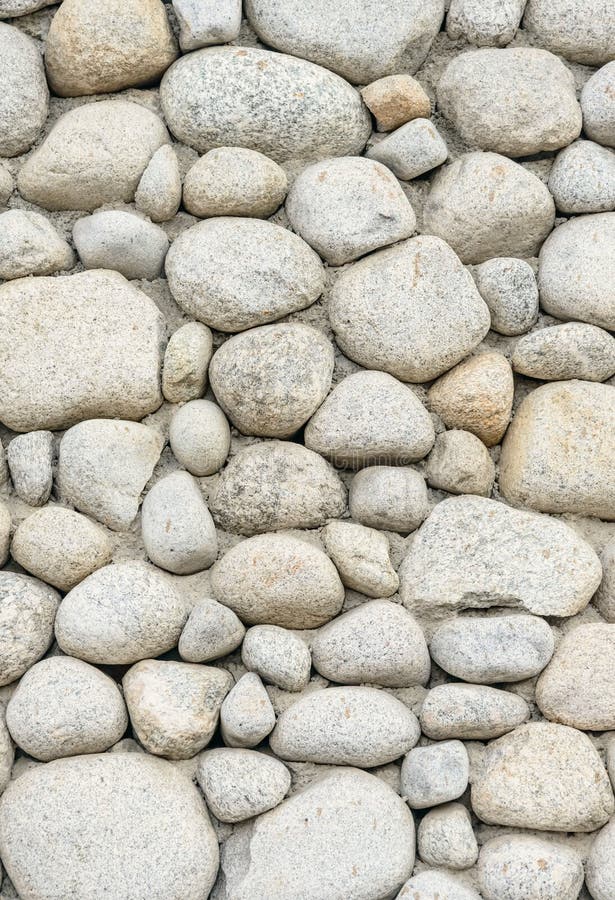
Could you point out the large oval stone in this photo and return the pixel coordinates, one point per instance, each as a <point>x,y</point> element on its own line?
<point>25,97</point>
<point>282,106</point>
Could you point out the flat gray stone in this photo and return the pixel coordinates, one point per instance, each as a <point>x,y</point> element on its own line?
<point>598,106</point>
<point>204,22</point>
<point>25,96</point>
<point>27,614</point>
<point>582,30</point>
<point>393,498</point>
<point>186,362</point>
<point>434,774</point>
<point>471,712</point>
<point>459,463</point>
<point>574,350</point>
<point>211,631</point>
<point>30,245</point>
<point>240,784</point>
<point>114,239</point>
<point>508,287</point>
<point>582,178</point>
<point>415,148</point>
<point>159,192</point>
<point>361,556</point>
<point>518,866</point>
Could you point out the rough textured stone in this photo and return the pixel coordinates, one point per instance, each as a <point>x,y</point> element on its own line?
<point>268,272</point>
<point>598,105</point>
<point>361,556</point>
<point>370,417</point>
<point>519,867</point>
<point>346,835</point>
<point>5,533</point>
<point>25,97</point>
<point>375,643</point>
<point>477,396</point>
<point>159,191</point>
<point>582,178</point>
<point>234,181</point>
<point>411,150</point>
<point>282,106</point>
<point>435,774</point>
<point>581,30</point>
<point>471,712</point>
<point>395,100</point>
<point>345,726</point>
<point>27,612</point>
<point>30,458</point>
<point>288,486</point>
<point>65,707</point>
<point>574,350</point>
<point>576,272</point>
<point>10,8</point>
<point>543,566</point>
<point>200,437</point>
<point>545,777</point>
<point>490,650</point>
<point>246,716</point>
<point>517,101</point>
<point>7,756</point>
<point>186,361</point>
<point>393,498</point>
<point>174,706</point>
<point>600,873</point>
<point>60,546</point>
<point>75,347</point>
<point>484,23</point>
<point>212,630</point>
<point>411,310</point>
<point>71,826</point>
<point>240,784</point>
<point>94,154</point>
<point>30,245</point>
<point>508,287</point>
<point>122,241</point>
<point>276,579</point>
<point>604,598</point>
<point>270,380</point>
<point>445,837</point>
<point>460,464</point>
<point>103,466</point>
<point>346,207</point>
<point>278,656</point>
<point>108,46</point>
<point>433,884</point>
<point>6,184</point>
<point>120,614</point>
<point>486,205</point>
<point>558,454</point>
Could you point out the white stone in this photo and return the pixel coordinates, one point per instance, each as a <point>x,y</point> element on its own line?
<point>114,239</point>
<point>25,96</point>
<point>519,866</point>
<point>460,464</point>
<point>278,656</point>
<point>393,498</point>
<point>434,774</point>
<point>508,287</point>
<point>240,784</point>
<point>563,352</point>
<point>434,884</point>
<point>445,837</point>
<point>361,556</point>
<point>5,533</point>
<point>6,184</point>
<point>30,459</point>
<point>205,22</point>
<point>581,30</point>
<point>604,598</point>
<point>200,437</point>
<point>212,631</point>
<point>415,148</point>
<point>27,613</point>
<point>159,191</point>
<point>10,8</point>
<point>582,178</point>
<point>598,105</point>
<point>186,361</point>
<point>246,716</point>
<point>600,873</point>
<point>484,23</point>
<point>30,245</point>
<point>471,712</point>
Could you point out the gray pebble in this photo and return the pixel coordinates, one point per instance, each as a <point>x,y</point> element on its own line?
<point>415,148</point>
<point>460,464</point>
<point>186,361</point>
<point>200,437</point>
<point>600,871</point>
<point>25,97</point>
<point>484,23</point>
<point>30,245</point>
<point>582,178</point>
<point>6,184</point>
<point>123,241</point>
<point>361,556</point>
<point>508,287</point>
<point>471,712</point>
<point>563,352</point>
<point>598,105</point>
<point>445,837</point>
<point>27,613</point>
<point>518,866</point>
<point>159,191</point>
<point>434,884</point>
<point>393,498</point>
<point>581,31</point>
<point>434,774</point>
<point>204,22</point>
<point>604,598</point>
<point>278,656</point>
<point>240,784</point>
<point>212,631</point>
<point>30,459</point>
<point>246,716</point>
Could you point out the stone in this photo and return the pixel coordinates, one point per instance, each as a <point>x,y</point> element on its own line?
<point>27,613</point>
<point>491,650</point>
<point>576,271</point>
<point>485,24</point>
<point>508,287</point>
<point>174,706</point>
<point>361,556</point>
<point>520,866</point>
<point>5,533</point>
<point>120,614</point>
<point>543,777</point>
<point>604,598</point>
<point>246,716</point>
<point>486,205</point>
<point>346,835</point>
<point>476,396</point>
<point>564,352</point>
<point>114,239</point>
<point>240,784</point>
<point>159,191</point>
<point>200,437</point>
<point>393,498</point>
<point>76,347</point>
<point>582,178</point>
<point>517,101</point>
<point>30,458</point>
<point>268,273</point>
<point>460,464</point>
<point>7,756</point>
<point>347,207</point>
<point>103,466</point>
<point>65,707</point>
<point>411,150</point>
<point>95,154</point>
<point>60,546</point>
<point>289,487</point>
<point>211,631</point>
<point>558,453</point>
<point>375,643</point>
<point>278,656</point>
<point>25,97</point>
<point>345,726</point>
<point>471,712</point>
<point>395,100</point>
<point>279,105</point>
<point>445,837</point>
<point>234,181</point>
<point>434,774</point>
<point>30,245</point>
<point>270,380</point>
<point>204,22</point>
<point>186,362</point>
<point>434,884</point>
<point>600,872</point>
<point>580,30</point>
<point>6,184</point>
<point>411,310</point>
<point>543,566</point>
<point>368,418</point>
<point>10,8</point>
<point>277,579</point>
<point>70,827</point>
<point>107,47</point>
<point>576,688</point>
<point>598,105</point>
<point>360,43</point>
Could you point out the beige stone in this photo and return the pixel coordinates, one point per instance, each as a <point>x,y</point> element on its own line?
<point>396,99</point>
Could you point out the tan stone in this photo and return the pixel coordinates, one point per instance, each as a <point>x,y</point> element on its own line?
<point>395,100</point>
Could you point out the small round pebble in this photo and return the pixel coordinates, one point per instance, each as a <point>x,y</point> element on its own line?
<point>395,100</point>
<point>246,715</point>
<point>122,241</point>
<point>186,361</point>
<point>564,352</point>
<point>471,712</point>
<point>484,23</point>
<point>519,866</point>
<point>159,191</point>
<point>508,287</point>
<point>460,464</point>
<point>240,784</point>
<point>212,631</point>
<point>598,105</point>
<point>27,613</point>
<point>278,656</point>
<point>415,148</point>
<point>582,178</point>
<point>392,498</point>
<point>445,838</point>
<point>30,459</point>
<point>200,437</point>
<point>434,774</point>
<point>361,556</point>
